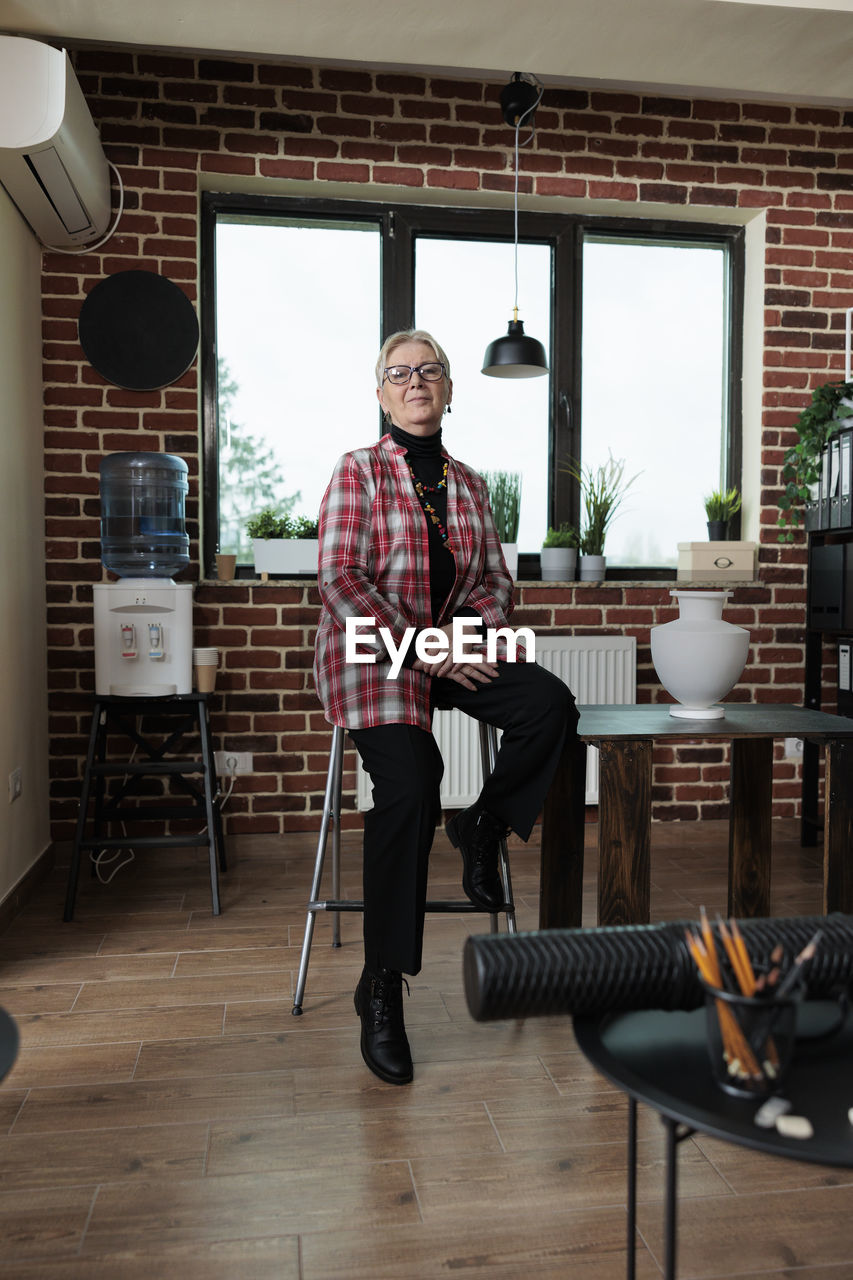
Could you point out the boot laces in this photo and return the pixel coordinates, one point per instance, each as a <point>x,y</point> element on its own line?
<point>488,830</point>
<point>386,995</point>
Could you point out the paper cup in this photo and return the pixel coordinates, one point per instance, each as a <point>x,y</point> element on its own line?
<point>205,678</point>
<point>205,662</point>
<point>225,567</point>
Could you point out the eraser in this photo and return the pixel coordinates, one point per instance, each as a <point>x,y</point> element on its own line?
<point>769,1111</point>
<point>794,1127</point>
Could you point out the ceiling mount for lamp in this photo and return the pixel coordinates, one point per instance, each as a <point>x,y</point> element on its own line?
<point>519,99</point>
<point>517,355</point>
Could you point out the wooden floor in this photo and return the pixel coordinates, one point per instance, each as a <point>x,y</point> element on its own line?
<point>167,1117</point>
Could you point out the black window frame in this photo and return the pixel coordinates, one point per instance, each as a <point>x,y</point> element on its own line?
<point>400,226</point>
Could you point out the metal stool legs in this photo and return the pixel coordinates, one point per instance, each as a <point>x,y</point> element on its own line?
<point>488,756</point>
<point>336,904</point>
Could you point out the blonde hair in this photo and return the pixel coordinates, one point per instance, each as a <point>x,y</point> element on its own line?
<point>408,335</point>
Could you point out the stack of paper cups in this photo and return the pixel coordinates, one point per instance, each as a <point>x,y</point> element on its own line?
<point>205,662</point>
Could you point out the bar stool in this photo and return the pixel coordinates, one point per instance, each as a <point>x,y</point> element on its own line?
<point>336,904</point>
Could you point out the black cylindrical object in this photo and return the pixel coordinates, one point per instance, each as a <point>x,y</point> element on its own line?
<point>517,99</point>
<point>582,971</point>
<point>142,514</point>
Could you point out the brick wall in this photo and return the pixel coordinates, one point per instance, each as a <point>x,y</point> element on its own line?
<point>168,122</point>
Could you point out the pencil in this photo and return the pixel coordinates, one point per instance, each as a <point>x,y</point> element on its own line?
<point>708,938</point>
<point>744,954</point>
<point>736,1051</point>
<point>794,974</point>
<point>744,976</point>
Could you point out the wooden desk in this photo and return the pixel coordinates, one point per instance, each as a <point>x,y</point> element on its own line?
<point>625,736</point>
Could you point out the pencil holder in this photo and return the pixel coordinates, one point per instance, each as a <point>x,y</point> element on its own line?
<point>750,1041</point>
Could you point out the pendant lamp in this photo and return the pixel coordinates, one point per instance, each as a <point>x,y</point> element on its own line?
<point>517,355</point>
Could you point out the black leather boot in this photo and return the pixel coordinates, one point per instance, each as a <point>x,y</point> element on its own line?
<point>384,1046</point>
<point>476,833</point>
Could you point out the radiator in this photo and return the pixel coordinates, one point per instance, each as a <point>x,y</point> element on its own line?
<point>597,669</point>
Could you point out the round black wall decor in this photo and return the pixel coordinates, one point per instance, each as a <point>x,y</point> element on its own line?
<point>139,330</point>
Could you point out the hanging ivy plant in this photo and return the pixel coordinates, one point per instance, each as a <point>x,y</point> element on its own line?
<point>830,409</point>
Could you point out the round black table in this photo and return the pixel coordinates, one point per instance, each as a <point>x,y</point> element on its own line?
<point>661,1059</point>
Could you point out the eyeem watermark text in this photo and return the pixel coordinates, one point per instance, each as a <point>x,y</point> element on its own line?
<point>432,645</point>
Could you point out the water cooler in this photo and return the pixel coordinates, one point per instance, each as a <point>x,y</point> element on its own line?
<point>143,623</point>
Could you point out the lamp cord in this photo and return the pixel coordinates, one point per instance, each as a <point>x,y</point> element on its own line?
<point>515,224</point>
<point>518,123</point>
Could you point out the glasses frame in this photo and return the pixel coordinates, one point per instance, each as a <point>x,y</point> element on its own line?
<point>415,368</point>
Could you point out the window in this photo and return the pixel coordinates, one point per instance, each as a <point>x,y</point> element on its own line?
<point>641,320</point>
<point>297,331</point>
<point>461,292</point>
<point>654,386</point>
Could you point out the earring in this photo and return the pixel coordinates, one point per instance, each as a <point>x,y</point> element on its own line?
<point>447,408</point>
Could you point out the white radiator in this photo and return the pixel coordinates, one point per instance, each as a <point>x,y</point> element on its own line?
<point>597,669</point>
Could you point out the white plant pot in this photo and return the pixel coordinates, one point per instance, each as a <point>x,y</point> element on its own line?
<point>510,552</point>
<point>699,657</point>
<point>285,555</point>
<point>592,568</point>
<point>558,564</point>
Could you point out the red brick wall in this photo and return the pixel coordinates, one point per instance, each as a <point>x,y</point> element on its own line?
<point>167,121</point>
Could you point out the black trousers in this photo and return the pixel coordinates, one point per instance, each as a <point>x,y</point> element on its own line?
<point>537,714</point>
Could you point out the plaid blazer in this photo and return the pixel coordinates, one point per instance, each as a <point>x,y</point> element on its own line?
<point>374,562</point>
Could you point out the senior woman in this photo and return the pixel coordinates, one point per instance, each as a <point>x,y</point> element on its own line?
<point>407,540</point>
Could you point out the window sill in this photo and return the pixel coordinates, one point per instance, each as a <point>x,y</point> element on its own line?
<point>694,584</point>
<point>253,580</point>
<point>715,584</point>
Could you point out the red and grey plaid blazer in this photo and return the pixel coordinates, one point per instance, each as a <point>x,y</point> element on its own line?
<point>374,562</point>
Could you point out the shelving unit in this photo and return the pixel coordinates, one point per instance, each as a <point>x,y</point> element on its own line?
<point>829,613</point>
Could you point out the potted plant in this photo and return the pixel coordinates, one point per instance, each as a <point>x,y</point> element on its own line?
<point>603,490</point>
<point>830,409</point>
<point>720,506</point>
<point>559,555</point>
<point>505,501</point>
<point>283,544</point>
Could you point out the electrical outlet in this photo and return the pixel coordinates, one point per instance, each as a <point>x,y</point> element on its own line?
<point>793,748</point>
<point>16,784</point>
<point>236,762</point>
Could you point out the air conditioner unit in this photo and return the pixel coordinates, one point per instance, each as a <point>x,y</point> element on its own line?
<point>51,160</point>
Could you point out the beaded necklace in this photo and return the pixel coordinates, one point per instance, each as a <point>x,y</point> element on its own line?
<point>422,490</point>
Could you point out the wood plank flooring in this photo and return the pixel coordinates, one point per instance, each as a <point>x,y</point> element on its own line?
<point>168,1117</point>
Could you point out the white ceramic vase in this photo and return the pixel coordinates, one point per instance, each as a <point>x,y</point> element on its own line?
<point>699,657</point>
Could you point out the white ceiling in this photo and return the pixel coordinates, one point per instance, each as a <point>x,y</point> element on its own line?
<point>790,50</point>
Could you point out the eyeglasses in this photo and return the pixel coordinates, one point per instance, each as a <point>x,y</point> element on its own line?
<point>400,374</point>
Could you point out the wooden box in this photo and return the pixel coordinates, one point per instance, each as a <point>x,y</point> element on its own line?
<point>716,561</point>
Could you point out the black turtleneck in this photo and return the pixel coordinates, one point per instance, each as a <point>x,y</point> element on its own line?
<point>424,456</point>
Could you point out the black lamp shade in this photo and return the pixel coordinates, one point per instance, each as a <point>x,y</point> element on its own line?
<point>516,355</point>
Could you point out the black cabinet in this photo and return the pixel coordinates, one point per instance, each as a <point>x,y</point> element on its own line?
<point>829,617</point>
<point>830,582</point>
